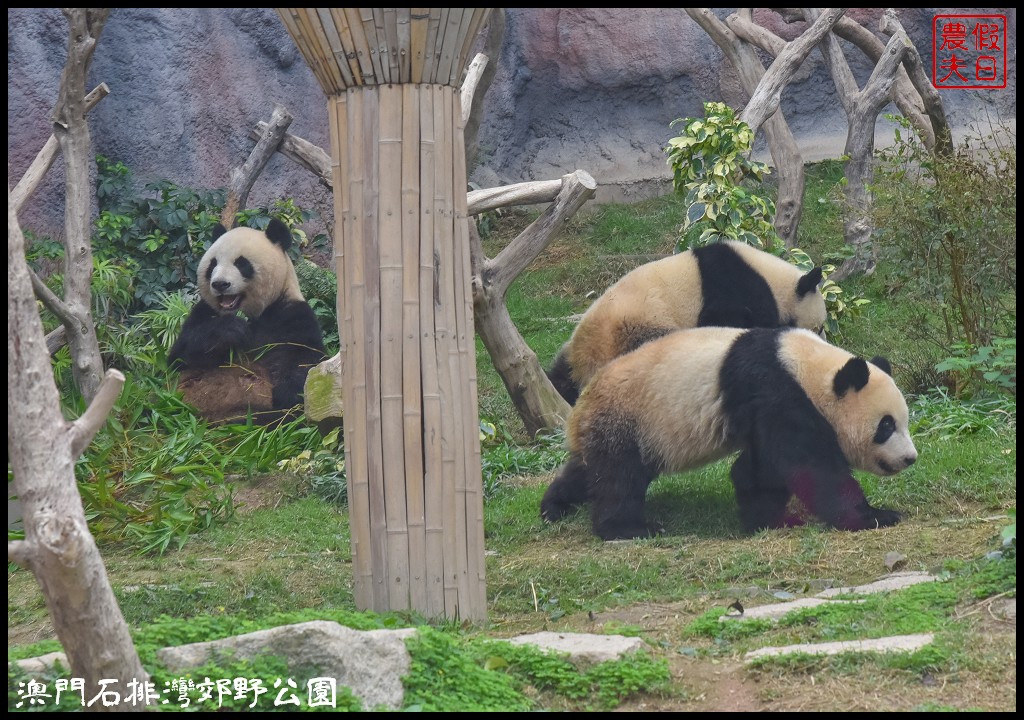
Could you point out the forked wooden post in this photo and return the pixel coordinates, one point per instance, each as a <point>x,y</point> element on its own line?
<point>405,309</point>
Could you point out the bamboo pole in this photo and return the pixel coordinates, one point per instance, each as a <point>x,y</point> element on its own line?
<point>371,312</point>
<point>467,346</point>
<point>337,59</point>
<point>326,54</point>
<point>354,334</point>
<point>412,391</point>
<point>447,41</point>
<point>391,316</point>
<point>338,127</point>
<point>374,43</point>
<point>460,40</point>
<point>404,44</point>
<point>432,429</point>
<point>361,46</point>
<point>315,52</point>
<point>435,26</point>
<point>477,21</point>
<point>458,365</point>
<point>391,39</point>
<point>348,45</point>
<point>418,41</point>
<point>444,322</point>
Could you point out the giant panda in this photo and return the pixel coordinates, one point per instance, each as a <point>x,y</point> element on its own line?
<point>728,284</point>
<point>231,366</point>
<point>800,412</point>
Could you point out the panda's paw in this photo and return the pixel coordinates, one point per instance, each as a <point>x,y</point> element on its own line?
<point>883,517</point>
<point>625,531</point>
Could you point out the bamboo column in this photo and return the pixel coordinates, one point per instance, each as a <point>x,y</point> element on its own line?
<point>412,442</point>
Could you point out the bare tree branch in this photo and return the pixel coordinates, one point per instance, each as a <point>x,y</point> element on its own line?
<point>312,157</point>
<point>473,74</point>
<point>577,188</point>
<point>242,178</point>
<point>84,429</point>
<point>492,50</point>
<point>52,303</point>
<point>527,193</point>
<point>72,132</point>
<point>781,144</point>
<point>938,135</point>
<point>904,95</point>
<point>767,97</point>
<point>44,158</point>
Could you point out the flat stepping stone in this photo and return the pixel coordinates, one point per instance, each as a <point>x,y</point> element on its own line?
<point>776,611</point>
<point>583,648</point>
<point>896,581</point>
<point>896,643</point>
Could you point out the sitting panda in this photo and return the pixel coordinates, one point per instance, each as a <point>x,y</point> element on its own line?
<point>729,284</point>
<point>232,366</point>
<point>801,413</point>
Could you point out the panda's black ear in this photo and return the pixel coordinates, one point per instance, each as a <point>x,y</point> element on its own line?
<point>218,230</point>
<point>854,374</point>
<point>809,282</point>
<point>279,233</point>
<point>880,362</point>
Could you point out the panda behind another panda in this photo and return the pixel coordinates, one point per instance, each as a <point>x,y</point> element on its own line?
<point>801,413</point>
<point>233,366</point>
<point>728,284</point>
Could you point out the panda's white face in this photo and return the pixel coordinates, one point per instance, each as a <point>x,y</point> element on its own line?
<point>228,280</point>
<point>246,270</point>
<point>859,399</point>
<point>874,430</point>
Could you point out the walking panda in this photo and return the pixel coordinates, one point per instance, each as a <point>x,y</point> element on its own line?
<point>233,366</point>
<point>800,412</point>
<point>728,284</point>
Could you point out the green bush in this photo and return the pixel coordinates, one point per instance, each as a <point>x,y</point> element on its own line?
<point>711,167</point>
<point>947,227</point>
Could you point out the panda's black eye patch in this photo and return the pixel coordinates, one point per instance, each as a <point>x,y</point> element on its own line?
<point>245,267</point>
<point>886,427</point>
<point>210,267</point>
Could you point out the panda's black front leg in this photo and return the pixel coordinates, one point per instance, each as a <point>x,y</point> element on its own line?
<point>841,503</point>
<point>208,339</point>
<point>762,497</point>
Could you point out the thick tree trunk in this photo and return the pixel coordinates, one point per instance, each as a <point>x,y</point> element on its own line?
<point>42,449</point>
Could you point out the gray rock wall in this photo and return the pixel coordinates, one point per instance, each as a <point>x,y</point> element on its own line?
<point>582,88</point>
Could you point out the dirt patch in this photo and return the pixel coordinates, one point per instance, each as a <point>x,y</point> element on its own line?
<point>267,491</point>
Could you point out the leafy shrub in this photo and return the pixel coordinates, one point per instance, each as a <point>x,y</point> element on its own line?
<point>162,234</point>
<point>710,164</point>
<point>948,226</point>
<point>937,414</point>
<point>710,160</point>
<point>991,367</point>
